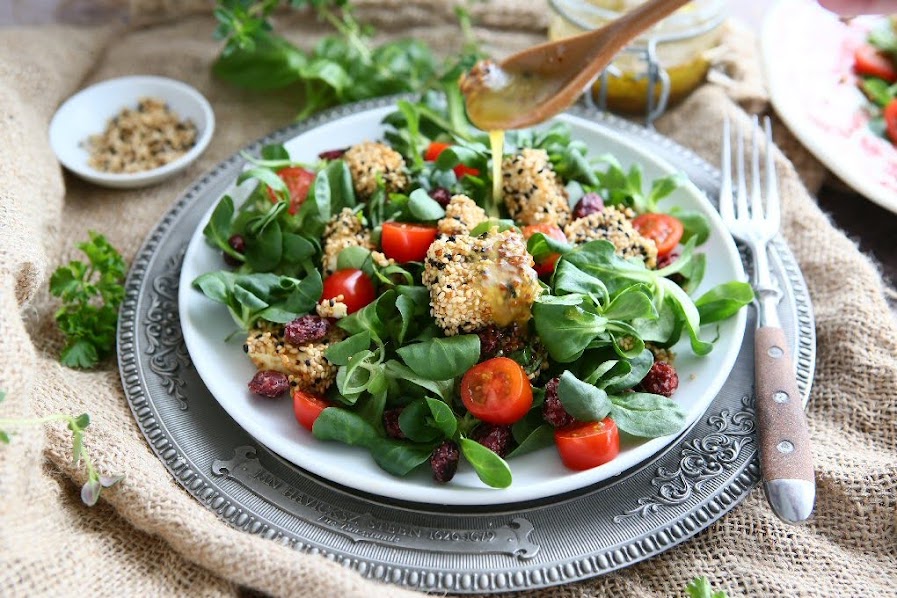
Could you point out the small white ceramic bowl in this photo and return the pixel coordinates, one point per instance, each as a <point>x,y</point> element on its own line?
<point>87,113</point>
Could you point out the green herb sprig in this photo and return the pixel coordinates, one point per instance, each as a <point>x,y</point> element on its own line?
<point>341,68</point>
<point>700,587</point>
<point>91,294</point>
<point>90,491</point>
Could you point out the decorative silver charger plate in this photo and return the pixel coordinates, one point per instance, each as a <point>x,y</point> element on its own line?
<point>665,500</point>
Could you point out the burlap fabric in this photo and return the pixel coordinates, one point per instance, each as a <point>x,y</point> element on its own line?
<point>149,537</point>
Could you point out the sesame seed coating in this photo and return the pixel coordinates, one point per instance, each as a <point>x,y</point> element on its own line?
<point>343,230</point>
<point>614,225</point>
<point>661,354</point>
<point>627,343</point>
<point>462,215</point>
<point>368,160</point>
<point>477,281</point>
<point>381,260</point>
<point>305,365</point>
<point>332,308</point>
<point>531,189</point>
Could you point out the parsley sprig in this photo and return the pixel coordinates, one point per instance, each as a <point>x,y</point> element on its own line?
<point>91,293</point>
<point>90,491</point>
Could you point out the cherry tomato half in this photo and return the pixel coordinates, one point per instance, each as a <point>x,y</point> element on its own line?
<point>665,230</point>
<point>437,147</point>
<point>497,391</point>
<point>434,149</point>
<point>867,60</point>
<point>890,115</point>
<point>583,446</point>
<point>298,181</point>
<point>549,230</point>
<point>307,407</point>
<point>354,285</point>
<point>405,242</point>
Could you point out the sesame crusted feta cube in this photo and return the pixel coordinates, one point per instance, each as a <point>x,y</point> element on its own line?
<point>369,160</point>
<point>477,281</point>
<point>304,364</point>
<point>462,215</point>
<point>532,191</point>
<point>614,225</point>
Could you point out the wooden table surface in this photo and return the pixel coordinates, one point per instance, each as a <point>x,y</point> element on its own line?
<point>872,227</point>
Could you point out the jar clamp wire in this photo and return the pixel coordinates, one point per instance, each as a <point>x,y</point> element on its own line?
<point>660,67</point>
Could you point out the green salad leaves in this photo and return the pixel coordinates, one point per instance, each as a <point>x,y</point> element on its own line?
<point>262,296</point>
<point>341,68</point>
<point>602,300</point>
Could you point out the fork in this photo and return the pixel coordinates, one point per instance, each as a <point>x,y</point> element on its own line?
<point>786,461</point>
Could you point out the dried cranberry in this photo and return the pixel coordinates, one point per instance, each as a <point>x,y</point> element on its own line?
<point>553,411</point>
<point>490,340</point>
<point>590,203</point>
<point>444,461</point>
<point>665,260</point>
<point>661,379</point>
<point>238,244</point>
<point>306,329</point>
<point>442,196</point>
<point>495,438</point>
<point>269,383</point>
<point>495,341</point>
<point>391,423</point>
<point>333,154</point>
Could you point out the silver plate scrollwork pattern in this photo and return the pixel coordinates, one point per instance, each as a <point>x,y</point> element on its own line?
<point>702,460</point>
<point>168,355</point>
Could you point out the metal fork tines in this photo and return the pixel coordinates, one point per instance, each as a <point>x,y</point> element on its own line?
<point>785,453</point>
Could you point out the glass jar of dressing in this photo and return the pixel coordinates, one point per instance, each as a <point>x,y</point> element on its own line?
<point>666,63</point>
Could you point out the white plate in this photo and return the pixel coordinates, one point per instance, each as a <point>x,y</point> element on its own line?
<point>808,59</point>
<point>225,369</point>
<point>87,112</point>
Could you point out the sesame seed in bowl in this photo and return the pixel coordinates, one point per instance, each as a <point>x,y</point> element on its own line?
<point>132,131</point>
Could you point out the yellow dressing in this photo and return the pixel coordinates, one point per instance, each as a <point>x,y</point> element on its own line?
<point>495,97</point>
<point>628,93</point>
<point>686,43</point>
<point>506,291</point>
<point>496,141</point>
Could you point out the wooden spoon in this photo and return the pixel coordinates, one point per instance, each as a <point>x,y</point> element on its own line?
<point>533,85</point>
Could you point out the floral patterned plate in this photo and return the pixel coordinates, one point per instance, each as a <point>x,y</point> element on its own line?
<point>808,58</point>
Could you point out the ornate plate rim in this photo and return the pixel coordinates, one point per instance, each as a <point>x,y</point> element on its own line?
<point>658,538</point>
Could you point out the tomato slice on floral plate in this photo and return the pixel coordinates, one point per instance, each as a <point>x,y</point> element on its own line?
<point>810,56</point>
